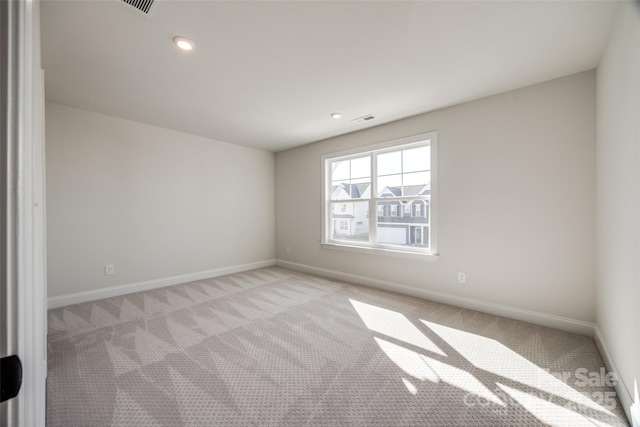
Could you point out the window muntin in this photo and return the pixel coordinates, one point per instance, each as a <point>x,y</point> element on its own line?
<point>396,182</point>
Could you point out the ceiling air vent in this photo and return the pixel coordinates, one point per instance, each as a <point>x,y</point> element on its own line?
<point>363,119</point>
<point>144,6</point>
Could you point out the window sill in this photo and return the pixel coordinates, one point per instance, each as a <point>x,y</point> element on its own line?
<point>420,256</point>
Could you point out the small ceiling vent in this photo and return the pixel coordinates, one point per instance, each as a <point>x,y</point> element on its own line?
<point>143,6</point>
<point>363,119</point>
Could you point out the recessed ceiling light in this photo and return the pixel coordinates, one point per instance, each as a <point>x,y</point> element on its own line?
<point>183,43</point>
<point>336,115</point>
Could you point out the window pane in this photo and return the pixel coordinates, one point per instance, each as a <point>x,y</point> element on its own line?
<point>409,236</point>
<point>361,188</point>
<point>340,170</point>
<point>420,209</point>
<point>361,167</point>
<point>350,221</point>
<point>343,170</point>
<point>390,186</point>
<point>340,190</point>
<point>416,184</point>
<point>399,228</point>
<point>416,178</point>
<point>389,163</point>
<point>416,159</point>
<point>415,190</point>
<point>351,179</point>
<point>356,189</point>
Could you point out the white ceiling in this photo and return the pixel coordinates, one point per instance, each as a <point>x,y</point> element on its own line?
<point>268,74</point>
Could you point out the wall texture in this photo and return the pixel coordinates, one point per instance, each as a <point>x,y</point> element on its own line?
<point>618,213</point>
<point>154,202</point>
<point>516,200</point>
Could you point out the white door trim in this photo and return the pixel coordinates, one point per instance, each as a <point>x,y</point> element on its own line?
<point>22,192</point>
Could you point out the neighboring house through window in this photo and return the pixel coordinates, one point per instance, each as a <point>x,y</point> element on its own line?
<point>382,179</point>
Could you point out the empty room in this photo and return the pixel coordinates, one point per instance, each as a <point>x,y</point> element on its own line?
<point>320,213</point>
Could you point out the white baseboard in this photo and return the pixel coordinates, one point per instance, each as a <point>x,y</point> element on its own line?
<point>624,395</point>
<point>85,296</point>
<point>543,319</point>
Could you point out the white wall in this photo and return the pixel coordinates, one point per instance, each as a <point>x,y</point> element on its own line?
<point>154,202</point>
<point>618,196</point>
<point>516,201</point>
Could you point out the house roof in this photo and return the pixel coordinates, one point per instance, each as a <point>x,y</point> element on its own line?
<point>357,191</point>
<point>354,191</point>
<point>407,190</point>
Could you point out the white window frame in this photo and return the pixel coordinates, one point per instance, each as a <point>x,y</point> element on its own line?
<point>372,246</point>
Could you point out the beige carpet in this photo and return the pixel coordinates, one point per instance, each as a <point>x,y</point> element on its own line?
<point>273,347</point>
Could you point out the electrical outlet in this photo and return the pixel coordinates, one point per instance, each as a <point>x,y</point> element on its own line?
<point>288,250</point>
<point>462,278</point>
<point>109,270</point>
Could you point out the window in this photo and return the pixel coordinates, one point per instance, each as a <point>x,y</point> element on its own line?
<point>383,179</point>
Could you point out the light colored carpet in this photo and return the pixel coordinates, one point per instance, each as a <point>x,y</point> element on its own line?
<point>273,347</point>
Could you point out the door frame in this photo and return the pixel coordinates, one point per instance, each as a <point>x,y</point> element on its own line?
<point>22,210</point>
